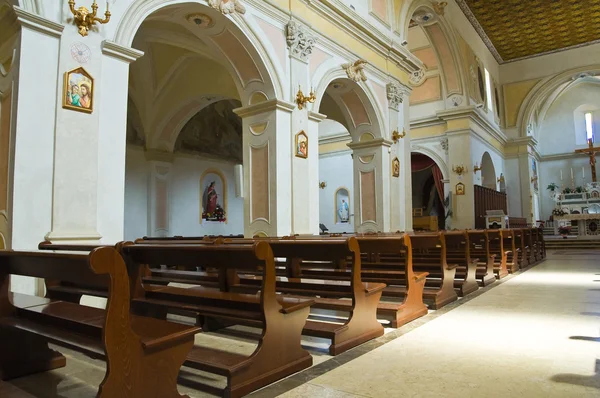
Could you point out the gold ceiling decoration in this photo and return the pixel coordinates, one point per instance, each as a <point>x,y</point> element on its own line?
<point>517,29</point>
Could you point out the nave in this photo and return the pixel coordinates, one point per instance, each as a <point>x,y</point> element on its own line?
<point>537,328</point>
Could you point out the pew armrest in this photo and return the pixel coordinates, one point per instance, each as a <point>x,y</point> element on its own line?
<point>372,288</point>
<point>451,266</point>
<point>289,305</point>
<point>156,334</point>
<point>419,276</point>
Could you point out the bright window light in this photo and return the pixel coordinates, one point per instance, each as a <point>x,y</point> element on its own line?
<point>589,127</point>
<point>488,88</point>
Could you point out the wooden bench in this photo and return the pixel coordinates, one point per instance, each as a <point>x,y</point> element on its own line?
<point>480,248</point>
<point>522,257</point>
<point>540,244</point>
<point>143,355</point>
<point>279,352</point>
<point>511,249</point>
<point>360,300</point>
<point>496,245</point>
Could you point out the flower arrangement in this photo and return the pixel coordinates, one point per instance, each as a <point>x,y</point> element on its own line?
<point>568,190</point>
<point>564,230</point>
<point>552,186</point>
<point>558,212</point>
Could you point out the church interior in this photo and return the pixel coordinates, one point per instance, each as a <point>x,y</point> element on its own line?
<point>299,198</point>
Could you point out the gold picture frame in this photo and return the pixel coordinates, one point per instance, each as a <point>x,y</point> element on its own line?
<point>396,167</point>
<point>78,91</point>
<point>460,188</point>
<point>301,147</point>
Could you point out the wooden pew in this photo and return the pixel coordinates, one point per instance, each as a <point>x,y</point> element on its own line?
<point>522,258</point>
<point>496,244</point>
<point>511,249</point>
<point>530,253</point>
<point>540,242</point>
<point>361,325</point>
<point>408,284</point>
<point>143,355</point>
<point>480,248</point>
<point>457,250</point>
<point>279,352</point>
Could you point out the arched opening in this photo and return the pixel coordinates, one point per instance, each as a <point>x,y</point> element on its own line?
<point>488,172</point>
<point>428,194</point>
<point>351,119</point>
<point>184,161</point>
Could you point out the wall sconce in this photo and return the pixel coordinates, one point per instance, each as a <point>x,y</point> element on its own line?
<point>301,100</point>
<point>460,170</point>
<point>396,135</point>
<point>501,179</point>
<point>84,19</point>
<point>534,179</point>
<point>476,168</point>
<point>322,184</point>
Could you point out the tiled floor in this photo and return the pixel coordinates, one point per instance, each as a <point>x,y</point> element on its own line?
<point>534,335</point>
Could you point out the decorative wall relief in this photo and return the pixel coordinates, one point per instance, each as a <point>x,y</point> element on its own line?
<point>342,206</point>
<point>81,53</point>
<point>214,197</point>
<point>78,91</point>
<point>299,40</point>
<point>356,70</point>
<point>228,6</point>
<point>417,77</point>
<point>396,93</point>
<point>301,150</point>
<point>396,167</point>
<point>444,144</point>
<point>460,188</point>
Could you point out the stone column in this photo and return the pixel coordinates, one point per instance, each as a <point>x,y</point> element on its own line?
<point>33,120</point>
<point>305,171</point>
<point>401,186</point>
<point>268,152</point>
<point>159,173</point>
<point>372,173</point>
<point>459,154</point>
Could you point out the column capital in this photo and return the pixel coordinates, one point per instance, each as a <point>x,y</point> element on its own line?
<point>396,93</point>
<point>264,107</point>
<point>377,142</point>
<point>316,116</point>
<point>36,22</point>
<point>118,51</point>
<point>154,155</point>
<point>300,41</point>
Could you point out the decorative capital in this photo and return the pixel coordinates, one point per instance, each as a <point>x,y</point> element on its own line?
<point>439,7</point>
<point>356,70</point>
<point>299,40</point>
<point>228,6</point>
<point>444,144</point>
<point>396,94</point>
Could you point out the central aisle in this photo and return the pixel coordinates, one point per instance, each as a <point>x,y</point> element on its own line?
<point>536,335</point>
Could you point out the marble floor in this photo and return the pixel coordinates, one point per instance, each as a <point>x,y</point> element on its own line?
<point>535,334</point>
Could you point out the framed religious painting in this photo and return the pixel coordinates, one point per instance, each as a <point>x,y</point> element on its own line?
<point>460,188</point>
<point>396,168</point>
<point>301,148</point>
<point>78,91</point>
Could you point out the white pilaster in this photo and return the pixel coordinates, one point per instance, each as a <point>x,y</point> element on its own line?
<point>159,173</point>
<point>459,153</point>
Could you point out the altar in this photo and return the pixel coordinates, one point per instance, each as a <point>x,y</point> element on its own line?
<point>587,224</point>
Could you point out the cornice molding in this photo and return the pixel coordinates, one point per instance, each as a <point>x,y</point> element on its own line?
<point>561,156</point>
<point>332,154</point>
<point>264,107</point>
<point>472,113</point>
<point>316,116</point>
<point>377,142</point>
<point>118,51</point>
<point>38,23</point>
<point>331,139</point>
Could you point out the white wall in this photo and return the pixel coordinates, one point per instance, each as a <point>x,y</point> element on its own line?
<point>336,171</point>
<point>184,197</point>
<point>556,134</point>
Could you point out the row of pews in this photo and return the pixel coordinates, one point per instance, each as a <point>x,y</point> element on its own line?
<point>341,288</point>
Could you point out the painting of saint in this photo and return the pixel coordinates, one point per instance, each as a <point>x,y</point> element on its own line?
<point>79,91</point>
<point>213,198</point>
<point>460,188</point>
<point>302,145</point>
<point>396,167</point>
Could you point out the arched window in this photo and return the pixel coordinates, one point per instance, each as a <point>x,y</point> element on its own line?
<point>589,126</point>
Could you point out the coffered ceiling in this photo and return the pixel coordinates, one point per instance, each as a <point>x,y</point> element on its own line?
<point>518,29</point>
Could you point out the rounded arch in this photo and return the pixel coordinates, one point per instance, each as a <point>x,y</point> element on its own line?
<point>139,10</point>
<point>544,93</point>
<point>408,10</point>
<point>439,161</point>
<point>2,241</point>
<point>368,102</point>
<point>488,171</point>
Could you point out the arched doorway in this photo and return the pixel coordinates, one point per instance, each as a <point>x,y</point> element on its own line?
<point>356,175</point>
<point>488,172</point>
<point>428,193</point>
<point>186,152</point>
